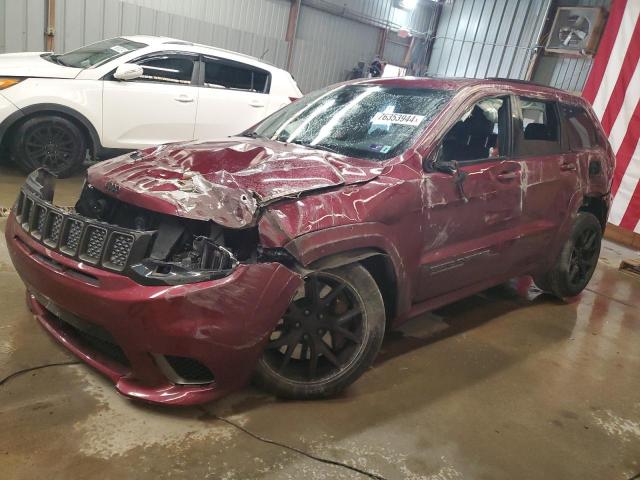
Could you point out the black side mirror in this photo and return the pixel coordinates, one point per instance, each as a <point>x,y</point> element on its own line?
<point>447,166</point>
<point>450,167</point>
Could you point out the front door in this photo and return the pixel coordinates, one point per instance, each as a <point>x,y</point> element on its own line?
<point>471,219</point>
<point>158,107</point>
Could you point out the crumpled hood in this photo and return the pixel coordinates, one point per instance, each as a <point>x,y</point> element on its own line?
<point>224,181</point>
<point>31,64</point>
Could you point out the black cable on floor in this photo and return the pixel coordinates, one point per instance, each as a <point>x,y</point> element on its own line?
<point>31,369</point>
<point>293,449</point>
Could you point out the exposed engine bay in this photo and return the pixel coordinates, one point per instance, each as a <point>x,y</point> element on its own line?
<point>181,248</point>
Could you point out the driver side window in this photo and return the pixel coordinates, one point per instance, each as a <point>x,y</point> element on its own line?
<point>481,133</point>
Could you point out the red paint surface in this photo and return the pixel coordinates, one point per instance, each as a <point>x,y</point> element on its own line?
<point>223,323</point>
<point>316,205</point>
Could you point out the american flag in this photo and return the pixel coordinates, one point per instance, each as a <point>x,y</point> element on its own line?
<point>613,88</point>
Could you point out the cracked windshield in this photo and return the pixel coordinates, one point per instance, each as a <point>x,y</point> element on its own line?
<point>366,121</point>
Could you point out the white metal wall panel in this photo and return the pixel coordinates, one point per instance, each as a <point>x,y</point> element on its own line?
<point>328,47</point>
<point>486,38</point>
<point>3,20</point>
<point>254,27</point>
<point>385,11</point>
<point>23,25</point>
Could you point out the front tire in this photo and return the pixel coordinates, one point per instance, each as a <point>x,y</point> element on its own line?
<point>577,261</point>
<point>49,141</point>
<point>328,337</point>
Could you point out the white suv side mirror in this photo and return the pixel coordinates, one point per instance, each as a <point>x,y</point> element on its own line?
<point>128,71</point>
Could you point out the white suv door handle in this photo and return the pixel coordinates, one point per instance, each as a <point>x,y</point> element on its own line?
<point>184,98</point>
<point>256,104</point>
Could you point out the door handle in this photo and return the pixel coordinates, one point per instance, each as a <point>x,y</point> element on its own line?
<point>507,176</point>
<point>256,104</point>
<point>567,166</point>
<point>184,98</point>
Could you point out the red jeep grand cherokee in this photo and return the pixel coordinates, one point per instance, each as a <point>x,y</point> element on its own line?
<point>286,252</point>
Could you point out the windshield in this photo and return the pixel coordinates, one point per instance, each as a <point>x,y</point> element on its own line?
<point>97,53</point>
<point>365,121</point>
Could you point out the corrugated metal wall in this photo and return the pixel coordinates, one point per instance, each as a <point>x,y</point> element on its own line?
<point>253,27</point>
<point>486,38</point>
<point>566,72</point>
<point>22,25</point>
<point>328,47</point>
<point>383,11</point>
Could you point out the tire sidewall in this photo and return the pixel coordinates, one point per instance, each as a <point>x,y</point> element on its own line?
<point>369,296</point>
<point>559,277</point>
<point>23,131</point>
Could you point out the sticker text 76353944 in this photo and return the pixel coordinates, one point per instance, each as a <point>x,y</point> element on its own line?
<point>398,118</point>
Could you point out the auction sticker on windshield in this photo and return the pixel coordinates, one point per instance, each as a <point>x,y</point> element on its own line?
<point>119,49</point>
<point>398,118</point>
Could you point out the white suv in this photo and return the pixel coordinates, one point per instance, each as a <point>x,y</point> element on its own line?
<point>128,93</point>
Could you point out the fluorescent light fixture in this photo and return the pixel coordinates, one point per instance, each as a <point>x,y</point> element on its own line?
<point>408,4</point>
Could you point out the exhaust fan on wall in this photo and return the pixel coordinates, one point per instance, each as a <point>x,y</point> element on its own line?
<point>576,30</point>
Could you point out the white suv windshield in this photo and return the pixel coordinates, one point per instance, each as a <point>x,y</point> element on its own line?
<point>96,53</point>
<point>366,121</point>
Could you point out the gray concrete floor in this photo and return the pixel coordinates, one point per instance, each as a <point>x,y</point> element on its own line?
<point>498,386</point>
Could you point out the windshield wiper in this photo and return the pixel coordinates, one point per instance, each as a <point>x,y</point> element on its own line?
<point>56,59</point>
<point>319,147</point>
<point>253,134</point>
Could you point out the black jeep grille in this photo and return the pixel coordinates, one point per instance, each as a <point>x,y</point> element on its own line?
<point>88,240</point>
<point>52,234</point>
<point>120,248</point>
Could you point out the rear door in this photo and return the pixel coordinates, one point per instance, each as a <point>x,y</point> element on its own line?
<point>234,96</point>
<point>551,179</point>
<point>156,108</point>
<point>471,224</point>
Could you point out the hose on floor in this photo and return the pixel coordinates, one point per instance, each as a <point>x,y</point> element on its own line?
<point>328,461</point>
<point>31,369</point>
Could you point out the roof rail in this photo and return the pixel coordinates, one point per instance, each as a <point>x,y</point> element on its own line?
<point>517,80</point>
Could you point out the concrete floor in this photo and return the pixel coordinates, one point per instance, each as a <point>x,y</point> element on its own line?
<point>499,386</point>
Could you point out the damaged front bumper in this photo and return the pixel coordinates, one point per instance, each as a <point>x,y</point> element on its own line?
<point>182,343</point>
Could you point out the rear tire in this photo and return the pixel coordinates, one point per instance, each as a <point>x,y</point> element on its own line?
<point>329,336</point>
<point>577,261</point>
<point>49,141</point>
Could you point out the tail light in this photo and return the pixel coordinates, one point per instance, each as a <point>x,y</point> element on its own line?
<point>293,99</point>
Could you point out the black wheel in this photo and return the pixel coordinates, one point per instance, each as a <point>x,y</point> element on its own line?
<point>577,260</point>
<point>328,337</point>
<point>49,141</point>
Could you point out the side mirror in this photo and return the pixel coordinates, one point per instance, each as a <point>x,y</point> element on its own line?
<point>128,71</point>
<point>435,163</point>
<point>447,166</point>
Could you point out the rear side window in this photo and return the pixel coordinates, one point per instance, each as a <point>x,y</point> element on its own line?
<point>580,130</point>
<point>233,75</point>
<point>540,133</point>
<point>168,69</point>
